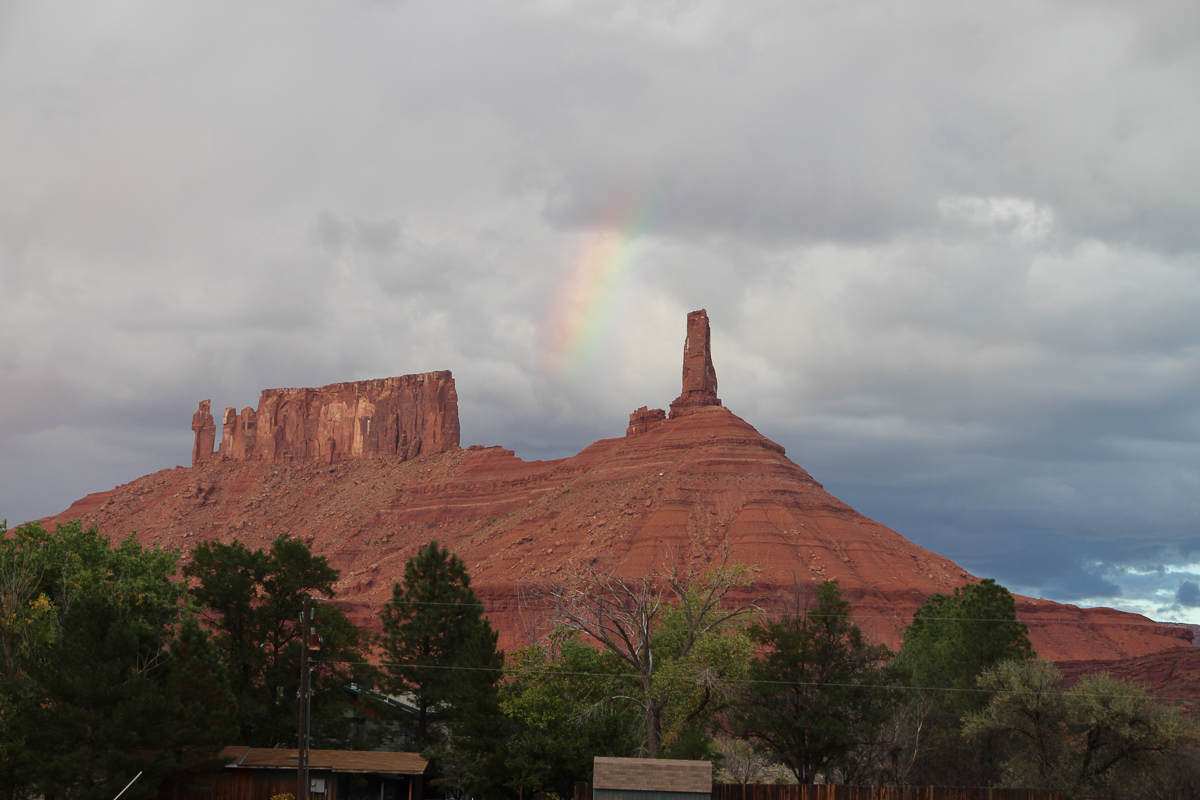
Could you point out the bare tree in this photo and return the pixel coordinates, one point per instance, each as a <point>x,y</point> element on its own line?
<point>648,619</point>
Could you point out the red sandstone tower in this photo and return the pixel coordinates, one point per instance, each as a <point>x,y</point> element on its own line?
<point>699,377</point>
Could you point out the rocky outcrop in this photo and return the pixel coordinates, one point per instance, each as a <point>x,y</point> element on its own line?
<point>404,416</point>
<point>699,377</point>
<point>205,431</point>
<point>645,419</point>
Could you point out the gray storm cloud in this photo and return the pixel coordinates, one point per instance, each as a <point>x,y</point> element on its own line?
<point>949,250</point>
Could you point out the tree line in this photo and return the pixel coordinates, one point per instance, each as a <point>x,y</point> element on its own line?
<point>117,662</point>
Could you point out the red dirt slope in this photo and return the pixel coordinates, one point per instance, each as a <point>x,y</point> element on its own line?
<point>694,487</point>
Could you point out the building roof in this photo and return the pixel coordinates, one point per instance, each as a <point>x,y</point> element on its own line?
<point>335,760</point>
<point>652,775</point>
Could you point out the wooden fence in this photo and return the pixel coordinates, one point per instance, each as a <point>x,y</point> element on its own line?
<point>766,791</point>
<point>786,791</point>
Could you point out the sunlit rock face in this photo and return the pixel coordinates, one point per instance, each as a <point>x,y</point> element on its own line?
<point>405,416</point>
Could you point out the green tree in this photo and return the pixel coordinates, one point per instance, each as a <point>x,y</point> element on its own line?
<point>252,600</point>
<point>471,753</point>
<point>818,690</point>
<point>560,712</point>
<point>101,710</point>
<point>667,628</point>
<point>28,624</point>
<point>92,665</point>
<point>439,647</point>
<point>702,677</point>
<point>197,688</point>
<point>952,640</point>
<point>1102,736</point>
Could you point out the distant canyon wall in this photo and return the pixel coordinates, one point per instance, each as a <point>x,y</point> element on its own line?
<point>404,416</point>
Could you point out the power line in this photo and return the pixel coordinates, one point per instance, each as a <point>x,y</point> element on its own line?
<point>854,617</point>
<point>741,681</point>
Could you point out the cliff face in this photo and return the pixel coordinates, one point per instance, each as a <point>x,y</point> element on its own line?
<point>405,416</point>
<point>694,489</point>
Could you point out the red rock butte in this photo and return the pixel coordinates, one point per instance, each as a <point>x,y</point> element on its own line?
<point>407,416</point>
<point>369,472</point>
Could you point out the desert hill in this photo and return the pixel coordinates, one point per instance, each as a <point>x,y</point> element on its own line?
<point>1171,675</point>
<point>368,473</point>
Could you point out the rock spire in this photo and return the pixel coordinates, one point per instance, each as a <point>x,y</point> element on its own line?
<point>205,431</point>
<point>699,377</point>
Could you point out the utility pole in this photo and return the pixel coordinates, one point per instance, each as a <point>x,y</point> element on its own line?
<point>310,643</point>
<point>302,784</point>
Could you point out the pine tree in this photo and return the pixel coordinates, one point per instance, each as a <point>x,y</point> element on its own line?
<point>197,687</point>
<point>439,647</point>
<point>952,640</point>
<point>252,600</point>
<point>818,688</point>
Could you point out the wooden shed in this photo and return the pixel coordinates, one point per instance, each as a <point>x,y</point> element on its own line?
<point>651,779</point>
<point>259,773</point>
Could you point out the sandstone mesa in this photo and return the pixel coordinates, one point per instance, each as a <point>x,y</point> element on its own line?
<point>368,472</point>
<point>405,416</point>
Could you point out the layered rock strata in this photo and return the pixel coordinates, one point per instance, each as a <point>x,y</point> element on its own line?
<point>698,488</point>
<point>405,416</point>
<point>694,491</point>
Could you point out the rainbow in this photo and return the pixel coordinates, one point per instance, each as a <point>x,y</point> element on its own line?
<point>584,305</point>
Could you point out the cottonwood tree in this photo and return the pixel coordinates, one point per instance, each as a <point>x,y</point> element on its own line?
<point>558,716</point>
<point>1101,736</point>
<point>667,627</point>
<point>101,695</point>
<point>28,624</point>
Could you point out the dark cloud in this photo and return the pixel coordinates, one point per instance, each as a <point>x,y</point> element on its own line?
<point>948,250</point>
<point>1188,594</point>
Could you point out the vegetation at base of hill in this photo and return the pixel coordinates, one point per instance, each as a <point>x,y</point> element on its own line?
<point>560,711</point>
<point>251,600</point>
<point>818,691</point>
<point>1102,737</point>
<point>106,673</point>
<point>951,642</point>
<point>114,664</point>
<point>678,636</point>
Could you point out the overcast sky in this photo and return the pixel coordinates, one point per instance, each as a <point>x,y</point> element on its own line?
<point>949,250</point>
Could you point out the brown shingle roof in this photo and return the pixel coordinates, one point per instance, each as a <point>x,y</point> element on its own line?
<point>652,774</point>
<point>335,760</point>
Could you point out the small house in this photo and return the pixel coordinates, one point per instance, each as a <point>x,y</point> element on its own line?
<point>651,779</point>
<point>259,773</point>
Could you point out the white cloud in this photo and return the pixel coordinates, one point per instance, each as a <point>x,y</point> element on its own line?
<point>1027,221</point>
